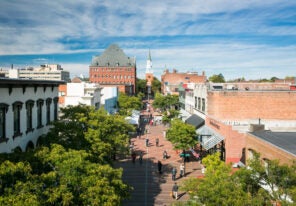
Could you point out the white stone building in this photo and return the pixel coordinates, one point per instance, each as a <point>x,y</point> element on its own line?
<point>44,72</point>
<point>26,109</point>
<point>109,98</point>
<point>83,93</point>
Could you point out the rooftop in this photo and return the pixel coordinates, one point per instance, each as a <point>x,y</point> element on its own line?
<point>4,82</point>
<point>113,56</point>
<point>284,140</point>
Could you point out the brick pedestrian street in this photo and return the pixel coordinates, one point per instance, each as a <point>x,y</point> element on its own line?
<point>150,187</point>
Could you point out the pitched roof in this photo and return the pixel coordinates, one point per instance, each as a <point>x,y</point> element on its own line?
<point>113,56</point>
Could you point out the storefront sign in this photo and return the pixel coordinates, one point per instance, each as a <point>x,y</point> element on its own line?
<point>214,124</point>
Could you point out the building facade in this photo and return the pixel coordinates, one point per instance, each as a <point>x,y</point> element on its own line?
<point>229,109</point>
<point>114,68</point>
<point>109,99</point>
<point>170,81</point>
<point>79,92</point>
<point>27,107</point>
<point>45,72</point>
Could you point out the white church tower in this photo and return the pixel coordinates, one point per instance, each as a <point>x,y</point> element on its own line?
<point>149,72</point>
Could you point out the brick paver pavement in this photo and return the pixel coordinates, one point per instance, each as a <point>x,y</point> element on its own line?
<point>150,187</point>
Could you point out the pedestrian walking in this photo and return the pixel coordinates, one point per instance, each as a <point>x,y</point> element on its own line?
<point>141,158</point>
<point>147,142</point>
<point>182,170</point>
<point>175,191</point>
<point>134,157</point>
<point>157,142</point>
<point>174,173</point>
<point>159,165</point>
<point>138,132</point>
<point>165,154</point>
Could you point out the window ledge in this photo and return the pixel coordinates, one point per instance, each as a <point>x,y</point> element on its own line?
<point>29,130</point>
<point>40,126</point>
<point>19,134</point>
<point>4,139</point>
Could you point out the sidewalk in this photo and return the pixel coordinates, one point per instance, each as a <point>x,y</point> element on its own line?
<point>150,187</point>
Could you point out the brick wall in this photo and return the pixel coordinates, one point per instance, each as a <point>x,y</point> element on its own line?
<point>234,141</point>
<point>115,76</point>
<point>174,79</point>
<point>63,91</point>
<point>267,150</point>
<point>239,105</point>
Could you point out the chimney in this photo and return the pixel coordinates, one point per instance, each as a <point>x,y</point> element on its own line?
<point>174,71</point>
<point>256,127</point>
<point>203,73</point>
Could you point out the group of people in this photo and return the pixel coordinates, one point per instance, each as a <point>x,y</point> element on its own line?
<point>139,130</point>
<point>174,171</point>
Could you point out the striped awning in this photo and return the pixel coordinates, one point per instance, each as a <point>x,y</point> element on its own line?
<point>208,137</point>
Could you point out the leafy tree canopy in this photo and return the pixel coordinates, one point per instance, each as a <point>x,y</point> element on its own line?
<point>222,186</point>
<point>73,167</point>
<point>128,103</point>
<point>156,85</point>
<point>217,78</point>
<point>141,85</point>
<point>165,102</point>
<point>182,135</point>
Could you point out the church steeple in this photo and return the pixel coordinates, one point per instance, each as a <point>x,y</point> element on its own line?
<point>149,72</point>
<point>149,64</point>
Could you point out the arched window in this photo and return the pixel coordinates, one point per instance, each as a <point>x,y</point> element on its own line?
<point>48,105</point>
<point>55,108</point>
<point>29,108</point>
<point>17,107</point>
<point>3,111</point>
<point>40,103</point>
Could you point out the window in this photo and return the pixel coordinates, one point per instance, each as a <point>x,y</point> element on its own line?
<point>199,103</point>
<point>203,107</point>
<point>266,164</point>
<point>29,108</point>
<point>17,107</point>
<point>195,102</point>
<point>48,105</point>
<point>55,105</point>
<point>3,110</point>
<point>40,103</point>
<point>251,154</point>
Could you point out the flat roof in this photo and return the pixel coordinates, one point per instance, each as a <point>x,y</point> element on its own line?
<point>12,81</point>
<point>284,140</point>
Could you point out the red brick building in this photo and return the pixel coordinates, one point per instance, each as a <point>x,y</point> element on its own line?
<point>231,111</point>
<point>114,68</point>
<point>170,82</point>
<point>271,145</point>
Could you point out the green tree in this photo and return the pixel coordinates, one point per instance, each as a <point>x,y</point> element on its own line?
<point>273,79</point>
<point>107,134</point>
<point>73,167</point>
<point>217,78</point>
<point>165,102</point>
<point>280,179</point>
<point>182,135</point>
<point>156,86</point>
<point>220,187</point>
<point>128,103</point>
<point>141,86</point>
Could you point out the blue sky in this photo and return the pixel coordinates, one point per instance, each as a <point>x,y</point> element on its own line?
<point>238,38</point>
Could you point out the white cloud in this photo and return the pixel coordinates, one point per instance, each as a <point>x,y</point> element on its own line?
<point>218,35</point>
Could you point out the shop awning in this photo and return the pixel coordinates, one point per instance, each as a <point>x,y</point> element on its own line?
<point>208,137</point>
<point>184,114</point>
<point>195,120</point>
